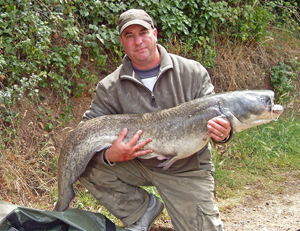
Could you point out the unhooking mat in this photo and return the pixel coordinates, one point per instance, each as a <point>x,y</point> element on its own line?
<point>27,219</point>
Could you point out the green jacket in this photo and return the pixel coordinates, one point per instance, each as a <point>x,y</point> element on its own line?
<point>179,80</point>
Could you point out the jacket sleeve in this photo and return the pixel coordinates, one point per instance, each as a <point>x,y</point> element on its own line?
<point>99,158</point>
<point>101,105</point>
<point>205,86</point>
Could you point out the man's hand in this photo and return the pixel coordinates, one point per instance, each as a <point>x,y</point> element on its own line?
<point>120,151</point>
<point>219,127</point>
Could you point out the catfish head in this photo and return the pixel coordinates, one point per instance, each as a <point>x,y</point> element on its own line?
<point>246,109</point>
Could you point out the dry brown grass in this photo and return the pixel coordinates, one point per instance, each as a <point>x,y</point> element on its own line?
<point>28,173</point>
<point>247,65</point>
<point>240,66</point>
<point>28,156</point>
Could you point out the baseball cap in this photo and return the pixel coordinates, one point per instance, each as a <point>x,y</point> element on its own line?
<point>134,16</point>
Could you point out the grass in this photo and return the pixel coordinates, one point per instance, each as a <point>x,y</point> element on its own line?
<point>257,157</point>
<point>252,162</point>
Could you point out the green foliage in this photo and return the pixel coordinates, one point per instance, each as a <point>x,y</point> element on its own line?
<point>194,22</point>
<point>42,42</point>
<point>283,78</point>
<point>286,11</point>
<point>248,22</point>
<point>9,121</point>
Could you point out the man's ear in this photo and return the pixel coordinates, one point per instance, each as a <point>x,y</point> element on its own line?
<point>155,32</point>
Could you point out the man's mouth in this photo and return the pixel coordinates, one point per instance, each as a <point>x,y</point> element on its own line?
<point>140,49</point>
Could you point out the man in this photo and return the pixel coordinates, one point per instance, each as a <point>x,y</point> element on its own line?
<point>150,79</point>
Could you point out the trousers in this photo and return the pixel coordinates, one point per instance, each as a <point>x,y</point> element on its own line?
<point>188,196</point>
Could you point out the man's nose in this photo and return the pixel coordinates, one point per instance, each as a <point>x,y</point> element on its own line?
<point>138,39</point>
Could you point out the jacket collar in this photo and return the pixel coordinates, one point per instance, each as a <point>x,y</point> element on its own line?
<point>127,71</point>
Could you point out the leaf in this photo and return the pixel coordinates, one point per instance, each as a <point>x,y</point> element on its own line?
<point>99,38</point>
<point>41,125</point>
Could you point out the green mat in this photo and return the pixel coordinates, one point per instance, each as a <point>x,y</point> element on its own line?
<point>27,219</point>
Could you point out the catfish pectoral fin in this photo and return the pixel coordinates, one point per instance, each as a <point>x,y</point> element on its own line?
<point>167,164</point>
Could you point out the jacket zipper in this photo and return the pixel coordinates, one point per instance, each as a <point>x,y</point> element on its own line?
<point>153,100</point>
<point>153,103</point>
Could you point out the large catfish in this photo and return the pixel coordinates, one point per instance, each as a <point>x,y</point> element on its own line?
<point>176,132</point>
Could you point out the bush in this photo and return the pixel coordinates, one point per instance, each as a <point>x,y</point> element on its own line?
<point>248,22</point>
<point>286,11</point>
<point>42,42</point>
<point>283,78</point>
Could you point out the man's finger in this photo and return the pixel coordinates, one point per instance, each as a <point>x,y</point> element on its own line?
<point>135,138</point>
<point>143,152</point>
<point>219,127</point>
<point>221,121</point>
<point>141,144</point>
<point>215,127</point>
<point>217,132</point>
<point>122,134</point>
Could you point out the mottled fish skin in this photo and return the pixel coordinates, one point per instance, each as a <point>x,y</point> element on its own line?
<point>176,132</point>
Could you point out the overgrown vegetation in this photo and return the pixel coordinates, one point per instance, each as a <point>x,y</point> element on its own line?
<point>283,77</point>
<point>53,52</point>
<point>43,42</point>
<point>261,151</point>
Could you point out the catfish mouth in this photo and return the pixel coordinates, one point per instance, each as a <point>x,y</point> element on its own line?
<point>275,109</point>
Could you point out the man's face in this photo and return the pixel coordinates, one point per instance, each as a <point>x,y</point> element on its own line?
<point>139,44</point>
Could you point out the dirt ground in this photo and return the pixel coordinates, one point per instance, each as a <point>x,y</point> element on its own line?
<point>277,211</point>
<point>277,208</point>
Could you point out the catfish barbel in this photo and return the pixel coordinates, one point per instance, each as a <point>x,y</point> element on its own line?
<point>176,133</point>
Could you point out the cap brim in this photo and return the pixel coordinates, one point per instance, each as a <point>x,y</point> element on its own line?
<point>135,22</point>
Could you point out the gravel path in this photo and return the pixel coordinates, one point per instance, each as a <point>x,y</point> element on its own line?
<point>278,211</point>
